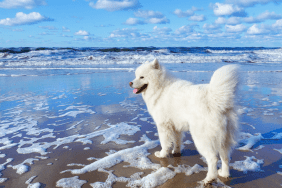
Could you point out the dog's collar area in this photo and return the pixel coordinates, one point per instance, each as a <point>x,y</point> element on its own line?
<point>141,88</point>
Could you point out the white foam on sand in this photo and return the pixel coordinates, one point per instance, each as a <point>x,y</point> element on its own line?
<point>279,150</point>
<point>32,185</point>
<point>244,110</point>
<point>22,168</point>
<point>249,164</point>
<point>277,136</point>
<point>2,167</point>
<point>112,179</point>
<point>2,155</point>
<point>72,182</point>
<point>136,157</point>
<point>188,170</point>
<point>154,179</point>
<point>260,147</point>
<point>187,142</point>
<point>249,140</point>
<point>77,110</point>
<point>73,126</point>
<point>157,177</point>
<point>111,134</point>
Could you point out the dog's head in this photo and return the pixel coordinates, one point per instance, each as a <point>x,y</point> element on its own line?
<point>144,75</point>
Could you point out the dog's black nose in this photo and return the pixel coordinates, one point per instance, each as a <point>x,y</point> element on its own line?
<point>130,83</point>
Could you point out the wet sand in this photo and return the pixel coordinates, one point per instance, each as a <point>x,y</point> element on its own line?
<point>108,95</point>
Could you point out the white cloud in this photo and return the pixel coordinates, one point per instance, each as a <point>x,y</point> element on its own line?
<point>277,24</point>
<point>163,20</point>
<point>27,4</point>
<point>48,27</point>
<point>250,19</point>
<point>262,17</point>
<point>87,38</point>
<point>44,33</point>
<point>220,20</point>
<point>184,30</point>
<point>269,15</point>
<point>220,9</point>
<point>235,28</point>
<point>125,33</point>
<point>65,29</point>
<point>249,3</point>
<point>211,26</point>
<point>229,21</point>
<point>22,19</point>
<point>133,21</point>
<point>115,5</point>
<point>162,31</point>
<point>233,21</point>
<point>81,32</point>
<point>255,30</point>
<point>186,13</point>
<point>148,14</point>
<point>197,18</point>
<point>63,35</point>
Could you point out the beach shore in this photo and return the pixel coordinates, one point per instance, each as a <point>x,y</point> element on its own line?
<point>90,130</point>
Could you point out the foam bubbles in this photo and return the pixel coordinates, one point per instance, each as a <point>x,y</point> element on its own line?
<point>22,168</point>
<point>136,157</point>
<point>188,170</point>
<point>72,182</point>
<point>249,164</point>
<point>279,150</point>
<point>249,140</point>
<point>154,179</point>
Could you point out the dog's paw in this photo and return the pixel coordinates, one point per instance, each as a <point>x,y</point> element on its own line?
<point>208,182</point>
<point>159,154</point>
<point>176,151</point>
<point>223,174</point>
<point>176,154</point>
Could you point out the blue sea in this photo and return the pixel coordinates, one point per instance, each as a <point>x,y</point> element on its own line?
<point>48,61</point>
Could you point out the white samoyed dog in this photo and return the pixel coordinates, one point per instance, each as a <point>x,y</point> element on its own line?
<point>206,110</point>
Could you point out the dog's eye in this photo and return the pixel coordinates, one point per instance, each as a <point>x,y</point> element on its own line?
<point>141,77</point>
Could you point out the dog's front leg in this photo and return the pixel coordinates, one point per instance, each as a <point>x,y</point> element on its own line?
<point>165,143</point>
<point>177,140</point>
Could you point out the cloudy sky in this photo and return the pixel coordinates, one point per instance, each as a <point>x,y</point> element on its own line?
<point>132,23</point>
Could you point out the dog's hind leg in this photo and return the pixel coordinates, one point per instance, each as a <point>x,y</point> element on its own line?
<point>207,150</point>
<point>228,143</point>
<point>224,156</point>
<point>212,168</point>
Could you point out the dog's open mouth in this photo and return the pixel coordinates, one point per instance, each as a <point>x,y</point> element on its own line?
<point>139,90</point>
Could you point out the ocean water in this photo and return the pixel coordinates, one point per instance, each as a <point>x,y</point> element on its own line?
<point>61,102</point>
<point>52,61</point>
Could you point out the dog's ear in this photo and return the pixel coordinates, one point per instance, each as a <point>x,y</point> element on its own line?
<point>155,64</point>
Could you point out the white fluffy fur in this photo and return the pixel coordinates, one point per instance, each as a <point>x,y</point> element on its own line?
<point>206,110</point>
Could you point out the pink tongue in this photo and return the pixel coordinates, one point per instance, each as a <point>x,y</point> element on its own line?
<point>135,90</point>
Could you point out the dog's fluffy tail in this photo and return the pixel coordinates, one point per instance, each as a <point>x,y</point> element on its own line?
<point>221,94</point>
<point>222,88</point>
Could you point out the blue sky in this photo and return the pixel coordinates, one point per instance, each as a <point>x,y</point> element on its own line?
<point>133,23</point>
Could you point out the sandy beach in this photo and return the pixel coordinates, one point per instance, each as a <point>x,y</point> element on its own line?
<point>90,130</point>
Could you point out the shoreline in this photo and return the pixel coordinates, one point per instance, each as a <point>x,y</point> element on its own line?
<point>71,111</point>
